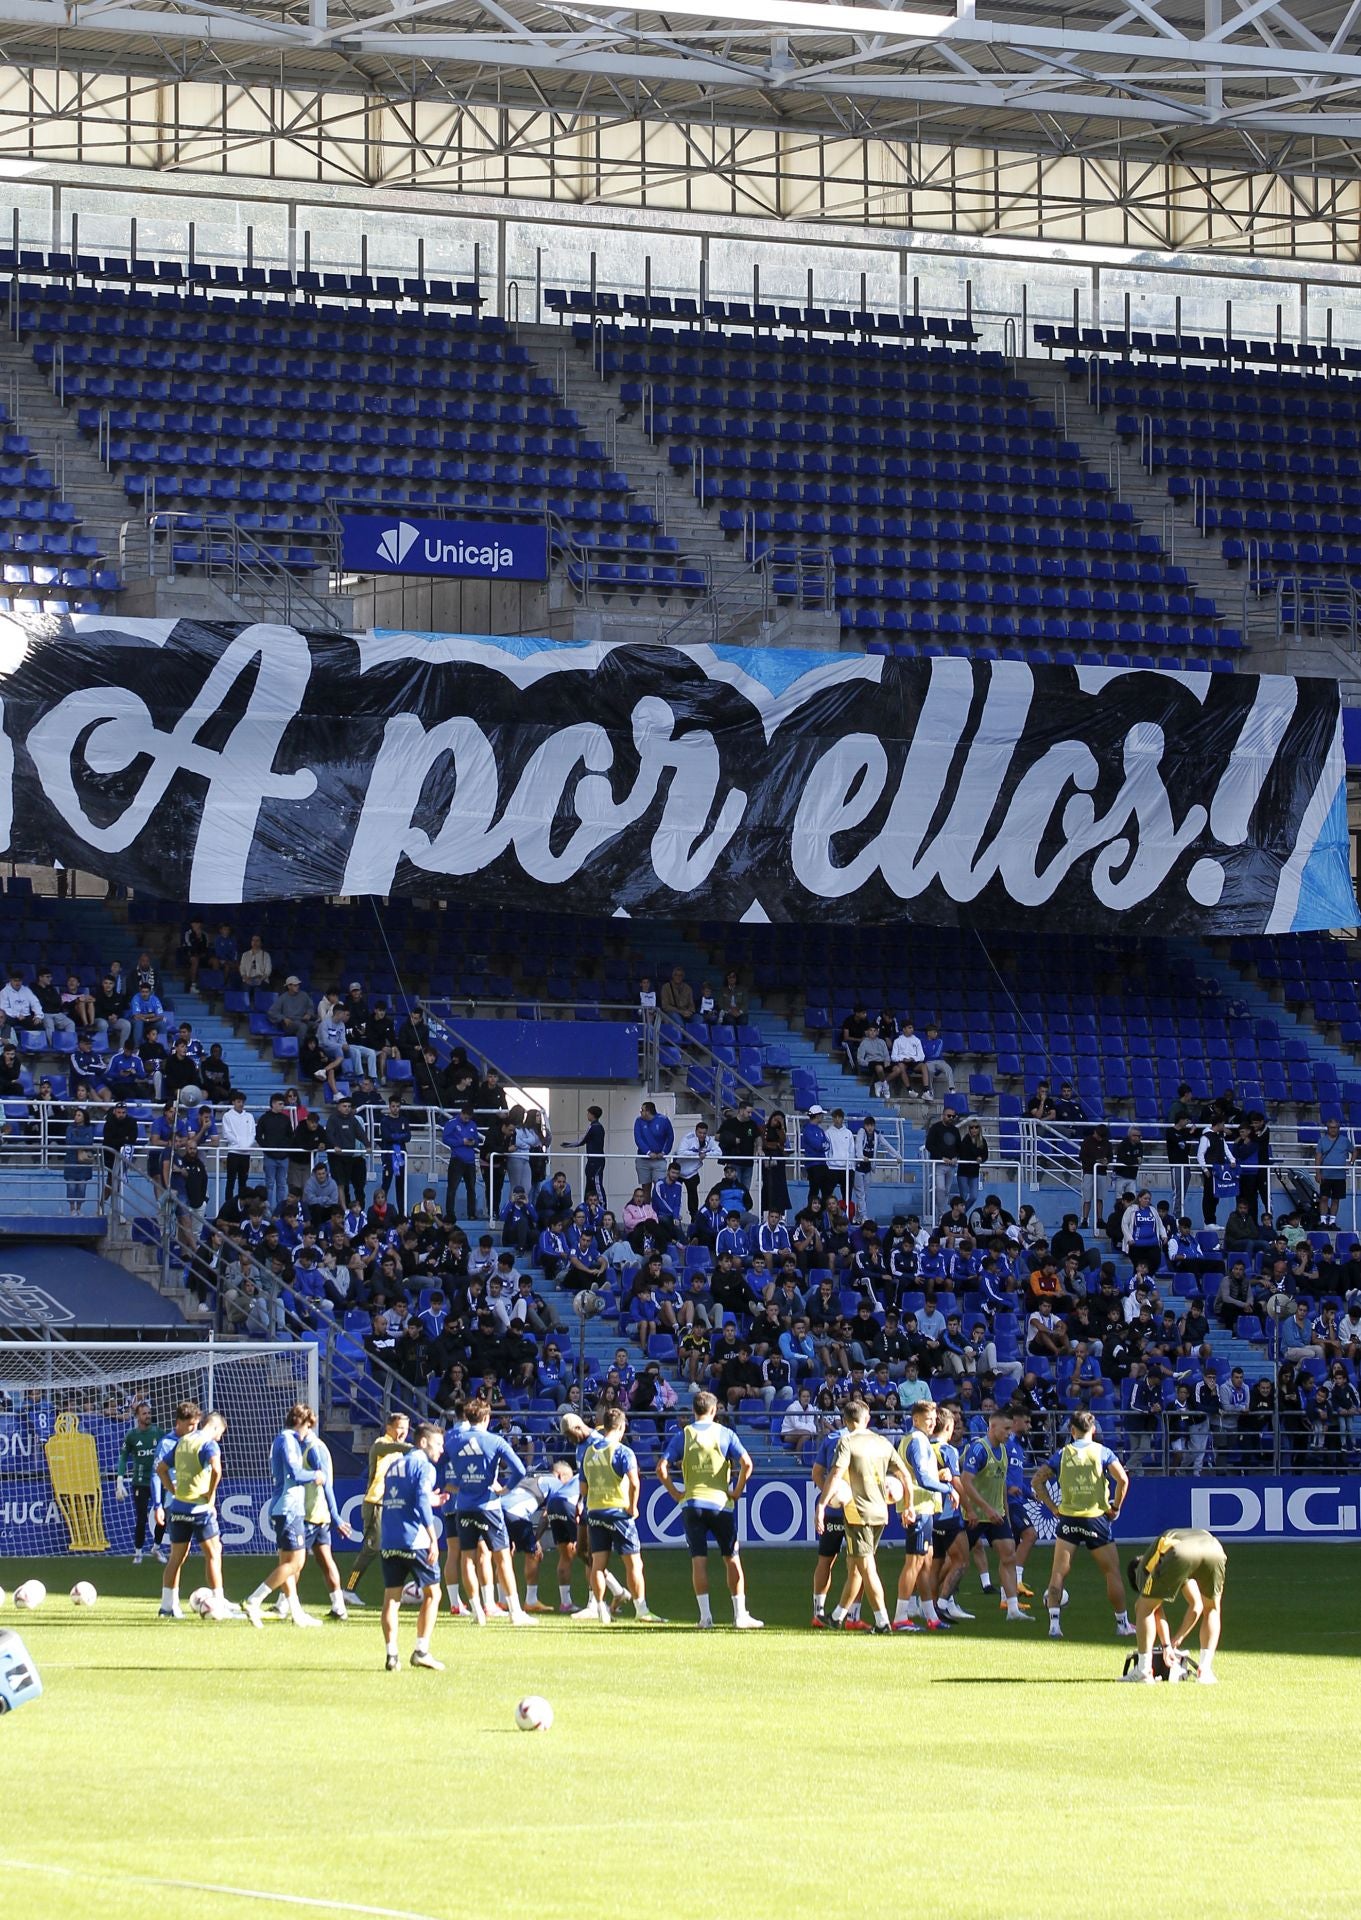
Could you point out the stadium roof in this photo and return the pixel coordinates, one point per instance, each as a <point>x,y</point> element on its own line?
<point>1250,83</point>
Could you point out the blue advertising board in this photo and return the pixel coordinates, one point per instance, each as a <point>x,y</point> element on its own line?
<point>774,1511</point>
<point>443,549</point>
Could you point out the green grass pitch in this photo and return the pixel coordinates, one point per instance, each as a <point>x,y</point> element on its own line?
<point>987,1771</point>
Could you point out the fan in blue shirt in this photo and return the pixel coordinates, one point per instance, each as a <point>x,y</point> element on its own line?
<point>483,1464</point>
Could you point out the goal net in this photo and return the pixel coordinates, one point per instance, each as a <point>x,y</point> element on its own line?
<point>66,1406</point>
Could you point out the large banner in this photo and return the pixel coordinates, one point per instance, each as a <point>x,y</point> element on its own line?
<point>221,764</point>
<point>773,1512</point>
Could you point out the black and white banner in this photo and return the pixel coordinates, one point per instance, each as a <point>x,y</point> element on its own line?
<point>218,764</point>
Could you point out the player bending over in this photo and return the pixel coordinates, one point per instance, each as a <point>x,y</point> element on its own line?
<point>525,1508</point>
<point>408,1545</point>
<point>191,1477</point>
<point>714,1468</point>
<point>1189,1562</point>
<point>609,1498</point>
<point>1092,1485</point>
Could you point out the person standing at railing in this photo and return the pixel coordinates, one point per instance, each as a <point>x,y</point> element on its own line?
<point>1094,1158</point>
<point>274,1136</point>
<point>348,1146</point>
<point>462,1138</point>
<point>392,1143</point>
<point>238,1136</point>
<point>592,1143</point>
<point>653,1139</point>
<point>78,1163</point>
<point>1214,1158</point>
<point>119,1137</point>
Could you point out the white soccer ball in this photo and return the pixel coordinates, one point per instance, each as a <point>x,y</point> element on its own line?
<point>201,1600</point>
<point>894,1491</point>
<point>533,1715</point>
<point>412,1595</point>
<point>83,1594</point>
<point>30,1595</point>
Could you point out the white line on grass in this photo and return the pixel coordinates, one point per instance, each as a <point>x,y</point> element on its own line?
<point>210,1886</point>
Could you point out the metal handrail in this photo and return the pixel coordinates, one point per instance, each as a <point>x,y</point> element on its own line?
<point>227,553</point>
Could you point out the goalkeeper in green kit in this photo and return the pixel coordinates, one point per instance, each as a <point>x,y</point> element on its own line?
<point>136,1461</point>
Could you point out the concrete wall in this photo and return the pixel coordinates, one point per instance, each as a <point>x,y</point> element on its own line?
<point>452,606</point>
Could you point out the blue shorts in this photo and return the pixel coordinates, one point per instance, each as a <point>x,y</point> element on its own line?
<point>946,1531</point>
<point>1085,1530</point>
<point>703,1524</point>
<point>920,1531</point>
<point>612,1533</point>
<point>184,1529</point>
<point>290,1534</point>
<point>832,1538</point>
<point>520,1528</point>
<point>399,1569</point>
<point>485,1527</point>
<point>992,1532</point>
<point>1017,1518</point>
<point>564,1529</point>
<point>318,1534</point>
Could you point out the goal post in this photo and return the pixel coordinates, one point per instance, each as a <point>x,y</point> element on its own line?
<point>66,1405</point>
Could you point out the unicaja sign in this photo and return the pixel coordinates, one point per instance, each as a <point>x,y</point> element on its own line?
<point>453,549</point>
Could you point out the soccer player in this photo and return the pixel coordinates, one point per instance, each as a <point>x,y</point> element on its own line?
<point>1092,1487</point>
<point>390,1446</point>
<point>560,1510</point>
<point>525,1508</point>
<point>1186,1561</point>
<point>483,1464</point>
<point>926,1484</point>
<point>137,1463</point>
<point>1018,1491</point>
<point>408,1544</point>
<point>983,1470</point>
<point>191,1477</point>
<point>859,1476</point>
<point>291,1477</point>
<point>609,1498</point>
<point>320,1513</point>
<point>714,1468</point>
<point>949,1546</point>
<point>831,1535</point>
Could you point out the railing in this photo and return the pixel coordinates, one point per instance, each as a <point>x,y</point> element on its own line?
<point>1050,1156</point>
<point>1148,452</point>
<point>744,592</point>
<point>1290,609</point>
<point>218,548</point>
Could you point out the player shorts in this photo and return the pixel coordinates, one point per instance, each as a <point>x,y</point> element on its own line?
<point>1017,1518</point>
<point>1085,1530</point>
<point>703,1524</point>
<point>832,1538</point>
<point>563,1527</point>
<point>520,1528</point>
<point>613,1533</point>
<point>290,1534</point>
<point>993,1532</point>
<point>484,1528</point>
<point>318,1534</point>
<point>862,1539</point>
<point>920,1531</point>
<point>944,1534</point>
<point>401,1568</point>
<point>186,1529</point>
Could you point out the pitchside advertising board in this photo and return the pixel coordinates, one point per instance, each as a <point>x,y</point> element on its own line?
<point>443,549</point>
<point>773,1512</point>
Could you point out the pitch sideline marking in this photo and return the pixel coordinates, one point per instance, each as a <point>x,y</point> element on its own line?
<point>211,1886</point>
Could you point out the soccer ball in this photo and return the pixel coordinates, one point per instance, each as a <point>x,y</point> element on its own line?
<point>201,1600</point>
<point>83,1594</point>
<point>30,1595</point>
<point>533,1715</point>
<point>412,1595</point>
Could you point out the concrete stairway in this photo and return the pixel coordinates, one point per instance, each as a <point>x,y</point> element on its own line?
<point>1154,509</point>
<point>97,496</point>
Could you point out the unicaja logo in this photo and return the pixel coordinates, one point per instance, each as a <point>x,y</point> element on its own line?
<point>396,542</point>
